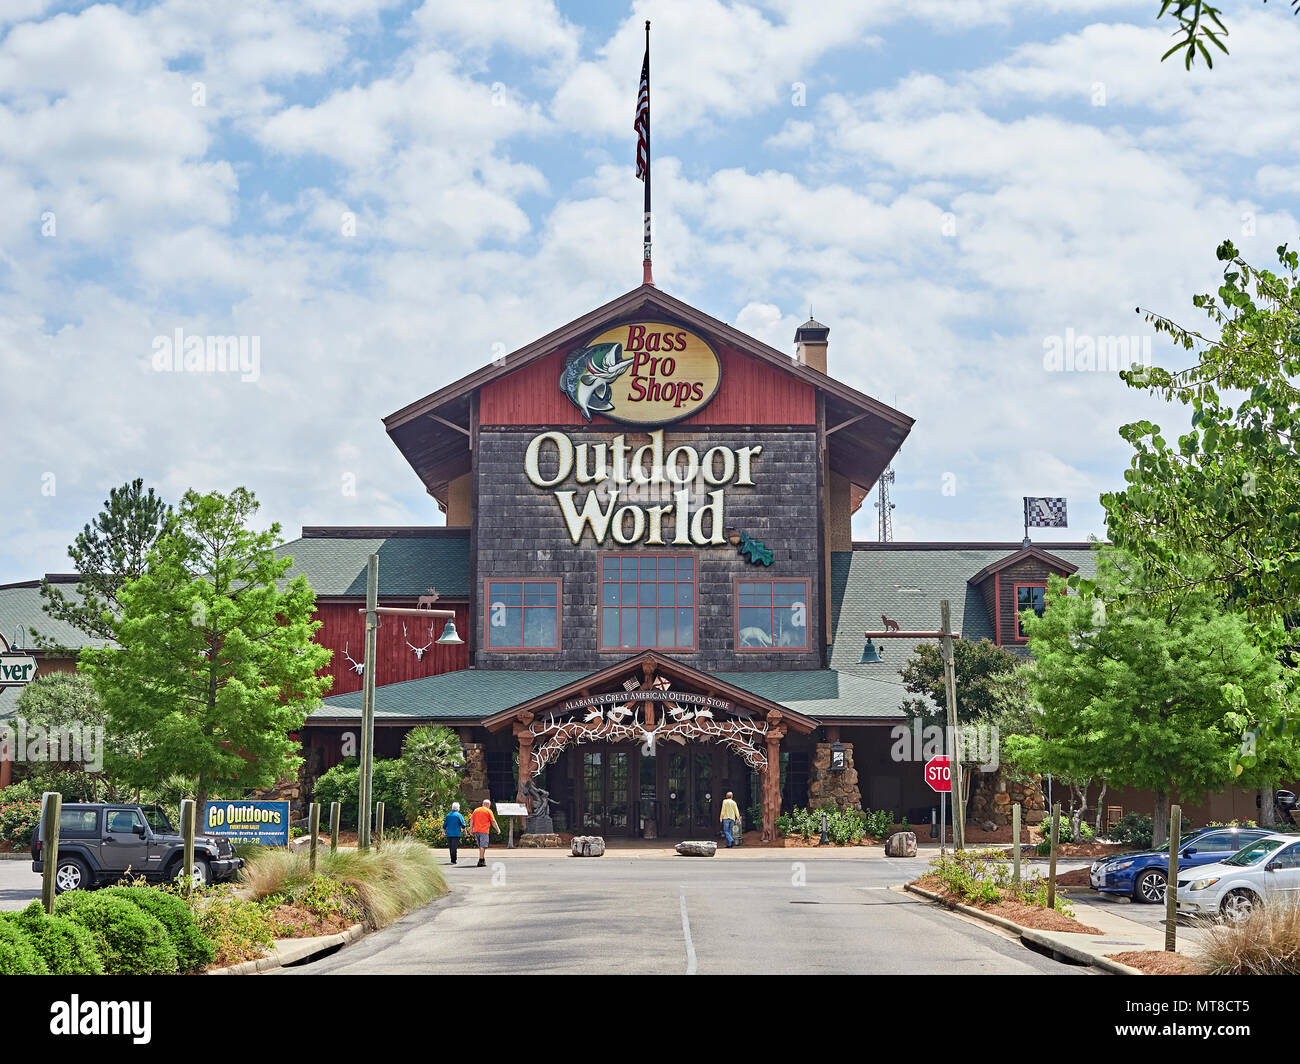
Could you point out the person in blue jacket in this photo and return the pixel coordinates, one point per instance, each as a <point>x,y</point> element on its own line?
<point>453,826</point>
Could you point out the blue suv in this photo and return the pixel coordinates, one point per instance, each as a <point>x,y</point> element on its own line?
<point>1142,875</point>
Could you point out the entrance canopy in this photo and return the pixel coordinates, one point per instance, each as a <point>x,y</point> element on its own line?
<point>652,700</point>
<point>649,699</point>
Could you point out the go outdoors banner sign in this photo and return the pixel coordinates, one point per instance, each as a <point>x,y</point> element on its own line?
<point>264,822</point>
<point>642,373</point>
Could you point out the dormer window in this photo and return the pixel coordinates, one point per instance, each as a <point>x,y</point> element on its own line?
<point>1029,597</point>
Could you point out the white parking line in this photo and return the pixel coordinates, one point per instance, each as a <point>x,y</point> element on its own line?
<point>686,931</point>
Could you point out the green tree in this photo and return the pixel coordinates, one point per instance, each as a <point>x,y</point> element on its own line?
<point>1198,25</point>
<point>1142,691</point>
<point>67,702</point>
<point>991,692</point>
<point>432,764</point>
<point>1220,507</point>
<point>107,553</point>
<point>214,659</point>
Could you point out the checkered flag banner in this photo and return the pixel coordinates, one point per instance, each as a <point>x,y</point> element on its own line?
<point>1045,513</point>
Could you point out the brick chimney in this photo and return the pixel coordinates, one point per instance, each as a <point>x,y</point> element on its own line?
<point>810,344</point>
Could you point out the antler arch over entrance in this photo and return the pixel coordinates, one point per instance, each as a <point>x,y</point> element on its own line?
<point>649,710</point>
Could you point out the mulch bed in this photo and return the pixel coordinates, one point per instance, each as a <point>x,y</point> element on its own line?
<point>1155,962</point>
<point>1016,912</point>
<point>1077,878</point>
<point>294,922</point>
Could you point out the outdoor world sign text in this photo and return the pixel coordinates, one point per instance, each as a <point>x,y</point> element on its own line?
<point>617,469</point>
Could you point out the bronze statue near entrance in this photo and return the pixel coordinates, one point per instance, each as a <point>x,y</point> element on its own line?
<point>539,808</point>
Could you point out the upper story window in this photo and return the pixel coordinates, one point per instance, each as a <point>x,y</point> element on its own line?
<point>771,614</point>
<point>647,601</point>
<point>1029,597</point>
<point>523,615</point>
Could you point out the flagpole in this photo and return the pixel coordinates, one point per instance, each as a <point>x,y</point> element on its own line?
<point>647,275</point>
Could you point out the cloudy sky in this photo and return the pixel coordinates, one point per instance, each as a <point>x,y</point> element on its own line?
<point>384,194</point>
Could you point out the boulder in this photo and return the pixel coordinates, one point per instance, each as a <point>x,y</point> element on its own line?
<point>697,848</point>
<point>901,844</point>
<point>588,846</point>
<point>302,844</point>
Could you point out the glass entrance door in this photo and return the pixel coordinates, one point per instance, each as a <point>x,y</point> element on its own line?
<point>689,791</point>
<point>605,785</point>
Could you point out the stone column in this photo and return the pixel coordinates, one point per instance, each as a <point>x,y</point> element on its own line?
<point>525,738</point>
<point>772,778</point>
<point>840,787</point>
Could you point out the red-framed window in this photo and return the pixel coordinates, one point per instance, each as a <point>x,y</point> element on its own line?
<point>1029,597</point>
<point>647,601</point>
<point>771,615</point>
<point>522,615</point>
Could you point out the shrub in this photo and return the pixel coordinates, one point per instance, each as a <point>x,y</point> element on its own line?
<point>18,954</point>
<point>194,950</point>
<point>324,897</point>
<point>1266,944</point>
<point>239,930</point>
<point>66,948</point>
<point>880,823</point>
<point>130,941</point>
<point>341,783</point>
<point>428,830</point>
<point>1133,829</point>
<point>18,820</point>
<point>985,877</point>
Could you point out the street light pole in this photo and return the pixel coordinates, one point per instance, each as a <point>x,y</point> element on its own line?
<point>368,666</point>
<point>368,702</point>
<point>950,686</point>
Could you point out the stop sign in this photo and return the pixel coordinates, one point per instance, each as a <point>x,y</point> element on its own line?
<point>938,773</point>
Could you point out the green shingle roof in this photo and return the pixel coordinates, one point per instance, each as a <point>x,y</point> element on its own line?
<point>21,614</point>
<point>408,565</point>
<point>474,694</point>
<point>467,694</point>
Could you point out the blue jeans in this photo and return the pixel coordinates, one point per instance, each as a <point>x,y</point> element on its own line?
<point>728,826</point>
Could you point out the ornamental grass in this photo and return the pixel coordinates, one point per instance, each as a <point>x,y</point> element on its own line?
<point>388,881</point>
<point>1268,943</point>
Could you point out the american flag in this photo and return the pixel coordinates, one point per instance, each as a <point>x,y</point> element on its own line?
<point>642,123</point>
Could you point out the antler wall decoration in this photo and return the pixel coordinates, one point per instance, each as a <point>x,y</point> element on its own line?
<point>742,736</point>
<point>357,666</point>
<point>419,651</point>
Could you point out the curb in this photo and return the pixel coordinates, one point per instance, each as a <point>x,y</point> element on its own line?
<point>15,857</point>
<point>284,952</point>
<point>1030,934</point>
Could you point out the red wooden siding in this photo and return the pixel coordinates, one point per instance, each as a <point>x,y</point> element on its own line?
<point>751,393</point>
<point>343,626</point>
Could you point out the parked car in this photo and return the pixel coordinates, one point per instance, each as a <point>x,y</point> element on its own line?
<point>1265,872</point>
<point>1142,875</point>
<point>101,843</point>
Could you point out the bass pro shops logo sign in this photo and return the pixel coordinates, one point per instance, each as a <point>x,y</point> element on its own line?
<point>644,373</point>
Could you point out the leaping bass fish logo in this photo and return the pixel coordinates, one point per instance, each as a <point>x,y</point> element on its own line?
<point>588,373</point>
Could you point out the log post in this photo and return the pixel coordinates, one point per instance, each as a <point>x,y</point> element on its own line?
<point>772,777</point>
<point>525,739</point>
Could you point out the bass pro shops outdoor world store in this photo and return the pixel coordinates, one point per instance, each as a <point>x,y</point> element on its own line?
<point>647,502</point>
<point>648,551</point>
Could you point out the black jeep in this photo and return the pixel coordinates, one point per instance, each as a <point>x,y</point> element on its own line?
<point>101,843</point>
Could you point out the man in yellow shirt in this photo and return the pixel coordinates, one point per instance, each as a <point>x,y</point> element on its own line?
<point>730,819</point>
